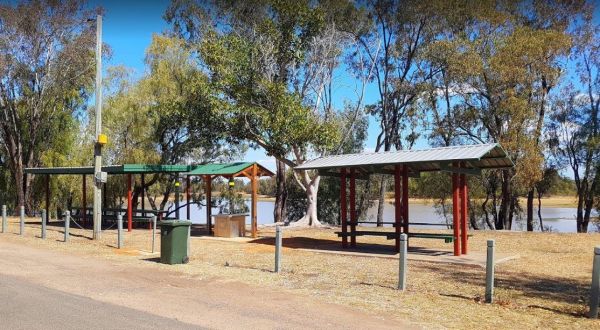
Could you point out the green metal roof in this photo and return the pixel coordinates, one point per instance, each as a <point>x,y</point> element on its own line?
<point>113,169</point>
<point>227,169</point>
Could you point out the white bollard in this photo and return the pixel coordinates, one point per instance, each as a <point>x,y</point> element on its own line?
<point>489,272</point>
<point>402,264</point>
<point>67,225</point>
<point>22,221</point>
<point>4,219</point>
<point>119,231</point>
<point>43,224</point>
<point>595,292</point>
<point>277,249</point>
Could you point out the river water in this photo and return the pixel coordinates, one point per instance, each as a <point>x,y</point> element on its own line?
<point>558,219</point>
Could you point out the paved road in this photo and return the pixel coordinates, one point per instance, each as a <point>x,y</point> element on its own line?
<point>58,289</point>
<point>24,305</point>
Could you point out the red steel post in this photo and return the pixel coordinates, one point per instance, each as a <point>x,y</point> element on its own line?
<point>129,204</point>
<point>455,214</point>
<point>397,206</point>
<point>188,196</point>
<point>464,213</point>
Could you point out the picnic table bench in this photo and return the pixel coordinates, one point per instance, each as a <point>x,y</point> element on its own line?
<point>448,238</point>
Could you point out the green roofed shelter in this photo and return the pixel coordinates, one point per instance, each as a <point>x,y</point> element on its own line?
<point>113,169</point>
<point>249,170</point>
<point>207,171</point>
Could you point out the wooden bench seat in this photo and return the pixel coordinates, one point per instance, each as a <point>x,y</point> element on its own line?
<point>448,238</point>
<point>389,235</point>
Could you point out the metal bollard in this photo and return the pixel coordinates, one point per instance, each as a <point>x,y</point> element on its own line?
<point>277,249</point>
<point>43,224</point>
<point>153,232</point>
<point>67,225</point>
<point>489,272</point>
<point>402,264</point>
<point>22,221</point>
<point>189,245</point>
<point>4,218</point>
<point>119,231</point>
<point>595,294</point>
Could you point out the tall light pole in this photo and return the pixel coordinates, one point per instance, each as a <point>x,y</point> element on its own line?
<point>99,176</point>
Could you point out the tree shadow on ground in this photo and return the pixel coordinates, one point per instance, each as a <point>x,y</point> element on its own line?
<point>555,289</point>
<point>336,246</point>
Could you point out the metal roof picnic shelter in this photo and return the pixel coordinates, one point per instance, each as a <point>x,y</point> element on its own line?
<point>206,171</point>
<point>459,161</point>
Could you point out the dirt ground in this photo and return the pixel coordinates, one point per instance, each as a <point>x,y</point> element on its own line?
<point>547,287</point>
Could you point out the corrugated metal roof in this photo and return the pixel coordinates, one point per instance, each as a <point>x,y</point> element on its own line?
<point>479,156</point>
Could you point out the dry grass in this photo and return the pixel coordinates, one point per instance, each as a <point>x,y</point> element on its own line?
<point>547,287</point>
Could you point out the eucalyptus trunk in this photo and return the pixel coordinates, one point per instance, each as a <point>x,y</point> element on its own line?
<point>279,212</point>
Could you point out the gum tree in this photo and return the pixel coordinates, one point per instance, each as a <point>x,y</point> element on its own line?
<point>273,62</point>
<point>46,70</point>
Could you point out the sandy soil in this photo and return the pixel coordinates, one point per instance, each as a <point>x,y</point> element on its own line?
<point>547,287</point>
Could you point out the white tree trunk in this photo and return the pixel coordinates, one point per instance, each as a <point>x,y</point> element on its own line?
<point>310,217</point>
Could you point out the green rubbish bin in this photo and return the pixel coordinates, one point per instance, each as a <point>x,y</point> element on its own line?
<point>174,241</point>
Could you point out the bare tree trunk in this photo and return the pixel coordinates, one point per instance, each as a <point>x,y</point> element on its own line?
<point>471,215</point>
<point>504,218</point>
<point>381,203</point>
<point>580,213</point>
<point>539,212</point>
<point>487,215</point>
<point>530,197</point>
<point>279,212</point>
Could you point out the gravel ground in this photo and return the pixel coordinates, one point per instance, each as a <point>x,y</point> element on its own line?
<point>547,287</point>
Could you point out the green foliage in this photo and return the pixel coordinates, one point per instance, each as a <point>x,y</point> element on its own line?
<point>46,61</point>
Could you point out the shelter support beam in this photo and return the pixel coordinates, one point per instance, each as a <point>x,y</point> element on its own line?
<point>129,204</point>
<point>253,219</point>
<point>397,206</point>
<point>188,194</point>
<point>143,179</point>
<point>343,210</point>
<point>455,214</point>
<point>405,222</point>
<point>353,217</point>
<point>48,196</point>
<point>463,213</point>
<point>84,200</point>
<point>208,192</point>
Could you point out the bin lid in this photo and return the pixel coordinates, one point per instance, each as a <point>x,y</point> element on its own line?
<point>175,223</point>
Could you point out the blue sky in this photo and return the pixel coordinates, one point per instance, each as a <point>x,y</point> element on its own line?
<point>128,27</point>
